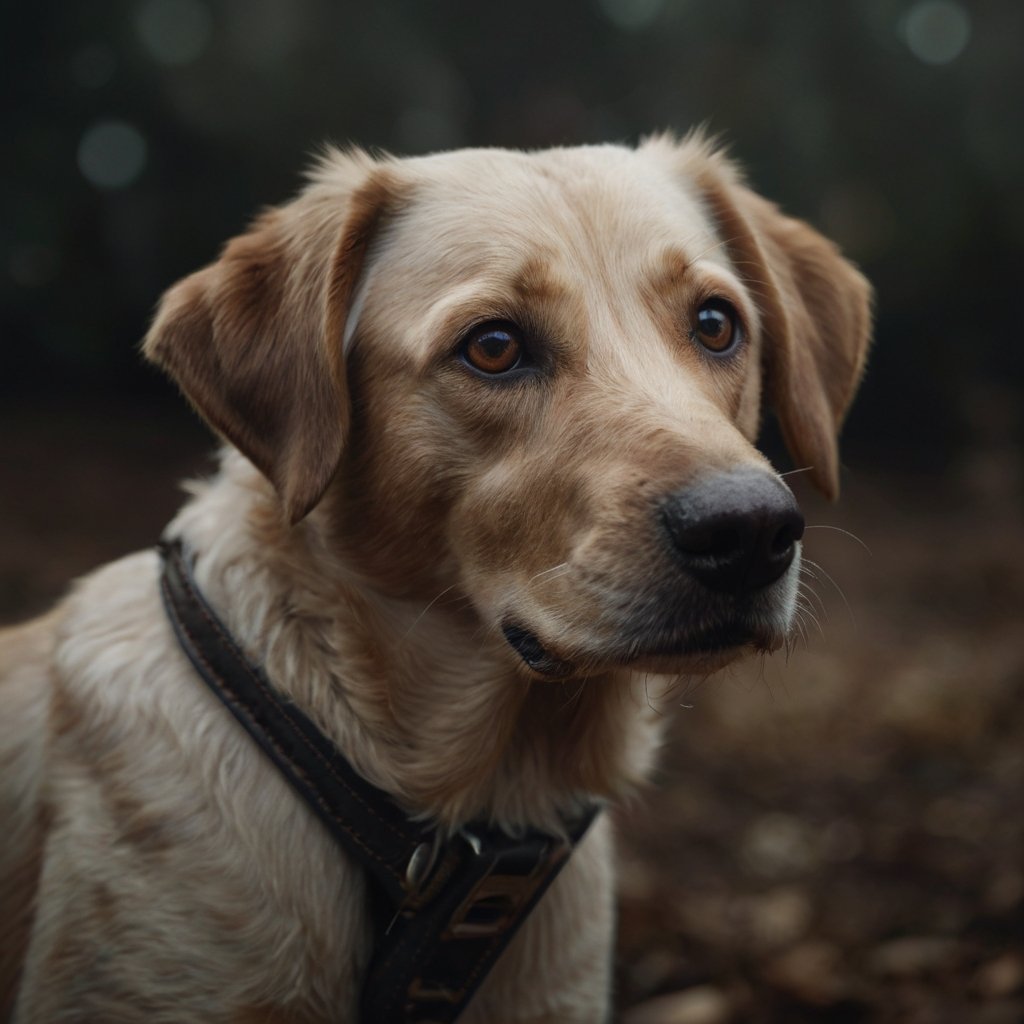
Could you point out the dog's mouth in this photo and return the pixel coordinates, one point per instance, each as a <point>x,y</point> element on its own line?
<point>534,654</point>
<point>696,650</point>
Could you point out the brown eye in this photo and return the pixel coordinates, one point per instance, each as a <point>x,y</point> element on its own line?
<point>718,328</point>
<point>493,349</point>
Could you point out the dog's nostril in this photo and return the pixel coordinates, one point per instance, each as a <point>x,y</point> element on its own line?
<point>788,534</point>
<point>725,540</point>
<point>704,537</point>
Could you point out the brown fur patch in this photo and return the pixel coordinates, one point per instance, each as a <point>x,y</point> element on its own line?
<point>817,313</point>
<point>18,890</point>
<point>254,340</point>
<point>536,282</point>
<point>137,826</point>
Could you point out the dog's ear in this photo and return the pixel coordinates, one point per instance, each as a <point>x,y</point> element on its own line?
<point>255,339</point>
<point>816,309</point>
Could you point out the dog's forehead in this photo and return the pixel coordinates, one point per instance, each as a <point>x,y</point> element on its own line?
<point>585,208</point>
<point>586,235</point>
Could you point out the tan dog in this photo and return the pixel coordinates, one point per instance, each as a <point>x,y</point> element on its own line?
<point>491,465</point>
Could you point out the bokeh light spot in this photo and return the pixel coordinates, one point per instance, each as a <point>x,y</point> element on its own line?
<point>937,30</point>
<point>111,154</point>
<point>174,32</point>
<point>631,15</point>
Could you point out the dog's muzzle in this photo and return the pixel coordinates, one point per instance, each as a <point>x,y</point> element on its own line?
<point>724,542</point>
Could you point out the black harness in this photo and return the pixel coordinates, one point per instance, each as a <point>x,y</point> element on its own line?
<point>444,908</point>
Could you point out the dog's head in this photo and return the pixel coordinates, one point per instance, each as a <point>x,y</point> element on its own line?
<point>537,379</point>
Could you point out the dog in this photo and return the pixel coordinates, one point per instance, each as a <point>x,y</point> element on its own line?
<point>489,481</point>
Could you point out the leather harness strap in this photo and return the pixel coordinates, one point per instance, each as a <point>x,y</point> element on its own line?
<point>444,907</point>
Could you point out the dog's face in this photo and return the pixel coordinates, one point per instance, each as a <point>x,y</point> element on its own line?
<point>537,380</point>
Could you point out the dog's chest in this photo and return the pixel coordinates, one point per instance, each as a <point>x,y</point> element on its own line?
<point>214,871</point>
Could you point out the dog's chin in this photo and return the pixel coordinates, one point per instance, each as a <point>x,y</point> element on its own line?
<point>693,653</point>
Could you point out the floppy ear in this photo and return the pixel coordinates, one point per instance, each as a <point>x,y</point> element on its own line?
<point>255,339</point>
<point>817,317</point>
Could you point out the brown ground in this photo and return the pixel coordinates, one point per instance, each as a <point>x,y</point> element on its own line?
<point>838,838</point>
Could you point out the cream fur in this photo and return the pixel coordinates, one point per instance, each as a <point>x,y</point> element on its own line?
<point>155,867</point>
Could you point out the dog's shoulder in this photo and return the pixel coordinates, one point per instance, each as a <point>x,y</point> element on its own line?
<point>144,774</point>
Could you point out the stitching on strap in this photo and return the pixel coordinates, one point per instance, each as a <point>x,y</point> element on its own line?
<point>239,703</point>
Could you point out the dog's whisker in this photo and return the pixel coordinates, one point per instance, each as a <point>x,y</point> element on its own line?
<point>839,529</point>
<point>554,573</point>
<point>691,685</point>
<point>654,704</point>
<point>806,610</point>
<point>839,589</point>
<point>801,626</point>
<point>647,692</point>
<point>800,620</point>
<point>721,243</point>
<point>804,588</point>
<point>575,695</point>
<point>483,632</point>
<point>419,618</point>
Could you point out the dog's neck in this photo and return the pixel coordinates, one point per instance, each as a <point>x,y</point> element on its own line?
<point>419,701</point>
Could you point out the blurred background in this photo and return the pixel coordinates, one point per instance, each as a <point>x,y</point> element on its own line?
<point>834,837</point>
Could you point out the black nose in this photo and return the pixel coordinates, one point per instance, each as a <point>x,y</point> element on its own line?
<point>735,532</point>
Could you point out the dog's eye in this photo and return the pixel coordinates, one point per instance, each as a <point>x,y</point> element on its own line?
<point>493,349</point>
<point>718,326</point>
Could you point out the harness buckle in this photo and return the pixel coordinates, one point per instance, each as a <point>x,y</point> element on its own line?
<point>509,884</point>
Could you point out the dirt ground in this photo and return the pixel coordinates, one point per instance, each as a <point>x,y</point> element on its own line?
<point>835,836</point>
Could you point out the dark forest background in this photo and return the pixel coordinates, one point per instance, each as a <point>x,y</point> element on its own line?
<point>139,135</point>
<point>839,838</point>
